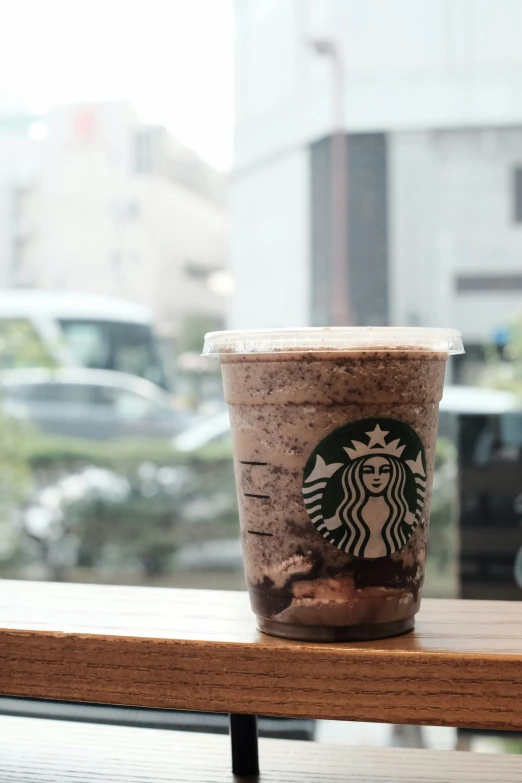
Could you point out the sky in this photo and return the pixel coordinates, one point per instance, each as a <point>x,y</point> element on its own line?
<point>172,59</point>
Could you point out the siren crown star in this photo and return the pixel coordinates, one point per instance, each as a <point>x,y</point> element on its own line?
<point>377,445</point>
<point>377,437</point>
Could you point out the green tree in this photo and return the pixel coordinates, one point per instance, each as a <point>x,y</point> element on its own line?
<point>14,484</point>
<point>506,372</point>
<point>194,326</point>
<point>20,346</point>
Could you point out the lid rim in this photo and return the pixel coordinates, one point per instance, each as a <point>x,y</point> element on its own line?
<point>332,339</point>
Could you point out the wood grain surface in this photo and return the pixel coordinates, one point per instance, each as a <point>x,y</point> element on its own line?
<point>199,650</point>
<point>40,751</point>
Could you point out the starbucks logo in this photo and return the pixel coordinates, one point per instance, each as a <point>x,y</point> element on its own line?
<point>364,486</point>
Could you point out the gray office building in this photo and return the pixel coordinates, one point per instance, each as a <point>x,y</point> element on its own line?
<point>433,131</point>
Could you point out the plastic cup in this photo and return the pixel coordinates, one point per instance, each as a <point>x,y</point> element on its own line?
<point>334,436</point>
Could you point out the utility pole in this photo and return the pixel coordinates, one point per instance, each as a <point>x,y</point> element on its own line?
<point>339,282</point>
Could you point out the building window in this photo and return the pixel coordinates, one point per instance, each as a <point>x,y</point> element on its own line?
<point>488,284</point>
<point>517,194</point>
<point>133,210</point>
<point>142,153</point>
<point>116,260</point>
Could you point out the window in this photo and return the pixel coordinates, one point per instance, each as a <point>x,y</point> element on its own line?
<point>21,345</point>
<point>133,210</point>
<point>112,345</point>
<point>131,406</point>
<point>517,194</point>
<point>142,153</point>
<point>492,284</point>
<point>54,393</point>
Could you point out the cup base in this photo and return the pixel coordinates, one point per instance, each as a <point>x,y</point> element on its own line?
<point>335,633</point>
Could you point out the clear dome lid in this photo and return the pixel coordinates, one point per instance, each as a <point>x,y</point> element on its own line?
<point>335,338</point>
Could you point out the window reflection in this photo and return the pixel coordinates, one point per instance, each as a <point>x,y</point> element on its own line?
<point>106,345</point>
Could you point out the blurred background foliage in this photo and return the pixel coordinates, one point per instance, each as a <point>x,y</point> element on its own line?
<point>133,511</point>
<point>120,510</point>
<point>503,370</point>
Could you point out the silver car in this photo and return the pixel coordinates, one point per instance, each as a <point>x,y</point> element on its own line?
<point>88,403</point>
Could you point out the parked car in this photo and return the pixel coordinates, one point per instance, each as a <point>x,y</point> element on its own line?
<point>477,400</point>
<point>93,404</point>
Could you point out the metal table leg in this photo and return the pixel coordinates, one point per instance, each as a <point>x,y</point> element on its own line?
<point>243,737</point>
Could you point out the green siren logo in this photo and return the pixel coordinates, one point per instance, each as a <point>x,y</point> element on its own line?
<point>364,486</point>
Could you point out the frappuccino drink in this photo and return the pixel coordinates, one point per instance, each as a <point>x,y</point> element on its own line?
<point>334,437</point>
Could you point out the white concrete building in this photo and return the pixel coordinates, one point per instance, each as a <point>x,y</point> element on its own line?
<point>430,95</point>
<point>106,204</point>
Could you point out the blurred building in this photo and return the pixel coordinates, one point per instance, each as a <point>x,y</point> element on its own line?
<point>429,96</point>
<point>92,199</point>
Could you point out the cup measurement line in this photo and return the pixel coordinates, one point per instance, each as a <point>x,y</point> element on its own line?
<point>246,462</point>
<point>259,533</point>
<point>252,495</point>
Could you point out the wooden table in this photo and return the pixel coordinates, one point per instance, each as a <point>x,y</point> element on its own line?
<point>199,650</point>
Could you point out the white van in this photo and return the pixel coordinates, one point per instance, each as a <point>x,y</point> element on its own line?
<point>83,330</point>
